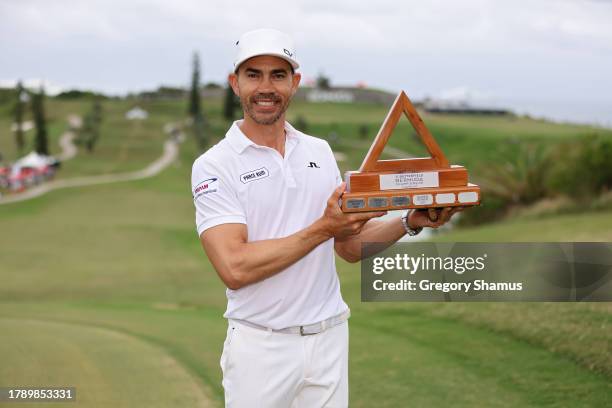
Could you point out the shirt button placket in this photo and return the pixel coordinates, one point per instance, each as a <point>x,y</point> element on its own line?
<point>289,176</point>
<point>287,168</point>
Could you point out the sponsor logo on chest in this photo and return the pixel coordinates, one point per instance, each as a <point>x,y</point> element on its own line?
<point>254,175</point>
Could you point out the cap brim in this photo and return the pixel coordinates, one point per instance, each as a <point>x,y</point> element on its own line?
<point>291,62</point>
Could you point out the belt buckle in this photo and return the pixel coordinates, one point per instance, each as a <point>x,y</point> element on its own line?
<point>302,333</point>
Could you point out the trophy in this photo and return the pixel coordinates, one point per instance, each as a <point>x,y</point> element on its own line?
<point>430,182</point>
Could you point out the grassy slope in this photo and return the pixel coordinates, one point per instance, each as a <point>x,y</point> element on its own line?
<point>107,367</point>
<point>123,145</point>
<point>175,301</point>
<point>580,227</point>
<point>125,258</point>
<point>56,113</point>
<point>473,141</point>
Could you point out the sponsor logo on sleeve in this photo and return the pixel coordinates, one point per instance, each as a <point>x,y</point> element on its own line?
<point>210,185</point>
<point>253,175</point>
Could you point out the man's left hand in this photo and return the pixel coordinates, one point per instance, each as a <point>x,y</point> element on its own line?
<point>431,217</point>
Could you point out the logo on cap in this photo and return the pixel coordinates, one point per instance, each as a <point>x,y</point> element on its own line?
<point>287,52</point>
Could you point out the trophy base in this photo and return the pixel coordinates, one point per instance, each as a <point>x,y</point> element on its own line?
<point>398,199</point>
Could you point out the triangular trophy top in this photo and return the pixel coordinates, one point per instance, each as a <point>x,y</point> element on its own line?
<point>371,162</point>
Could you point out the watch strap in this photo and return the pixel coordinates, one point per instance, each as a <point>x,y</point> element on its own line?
<point>410,231</point>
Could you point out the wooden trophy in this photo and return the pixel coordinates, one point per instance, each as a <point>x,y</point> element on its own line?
<point>381,185</point>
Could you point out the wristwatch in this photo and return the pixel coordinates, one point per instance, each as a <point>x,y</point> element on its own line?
<point>410,231</point>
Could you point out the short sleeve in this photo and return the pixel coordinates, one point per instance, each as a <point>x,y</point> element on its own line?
<point>215,201</point>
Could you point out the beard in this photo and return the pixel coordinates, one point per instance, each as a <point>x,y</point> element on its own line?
<point>248,105</point>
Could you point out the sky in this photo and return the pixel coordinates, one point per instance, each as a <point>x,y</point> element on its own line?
<point>518,53</point>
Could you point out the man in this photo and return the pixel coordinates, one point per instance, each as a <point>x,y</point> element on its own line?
<point>267,213</point>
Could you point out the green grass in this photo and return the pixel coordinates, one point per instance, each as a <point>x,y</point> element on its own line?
<point>595,226</point>
<point>470,140</point>
<point>414,359</point>
<point>108,367</point>
<point>124,145</point>
<point>56,113</point>
<point>107,288</point>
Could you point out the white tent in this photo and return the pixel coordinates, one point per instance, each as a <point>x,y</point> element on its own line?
<point>136,113</point>
<point>32,159</point>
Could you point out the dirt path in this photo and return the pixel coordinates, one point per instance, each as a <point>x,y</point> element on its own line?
<point>69,150</point>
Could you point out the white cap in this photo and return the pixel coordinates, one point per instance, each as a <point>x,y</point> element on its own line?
<point>265,41</point>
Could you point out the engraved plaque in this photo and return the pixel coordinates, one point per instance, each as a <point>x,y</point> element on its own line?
<point>422,199</point>
<point>409,180</point>
<point>378,202</point>
<point>399,201</point>
<point>355,203</point>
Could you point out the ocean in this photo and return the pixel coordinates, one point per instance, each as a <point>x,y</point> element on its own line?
<point>591,112</point>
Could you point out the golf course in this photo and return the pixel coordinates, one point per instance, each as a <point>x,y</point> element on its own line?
<point>106,288</point>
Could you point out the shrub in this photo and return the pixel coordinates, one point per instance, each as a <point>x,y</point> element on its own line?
<point>301,124</point>
<point>522,179</point>
<point>583,168</point>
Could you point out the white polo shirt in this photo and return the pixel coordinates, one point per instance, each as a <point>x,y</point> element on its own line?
<point>238,181</point>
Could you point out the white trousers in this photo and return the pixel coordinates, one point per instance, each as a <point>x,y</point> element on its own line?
<point>264,369</point>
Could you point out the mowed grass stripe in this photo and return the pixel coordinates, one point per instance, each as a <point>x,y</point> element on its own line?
<point>107,367</point>
<point>396,359</point>
<point>577,331</point>
<point>593,226</point>
<point>193,337</point>
<point>423,361</point>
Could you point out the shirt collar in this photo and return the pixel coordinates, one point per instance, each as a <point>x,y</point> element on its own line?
<point>239,141</point>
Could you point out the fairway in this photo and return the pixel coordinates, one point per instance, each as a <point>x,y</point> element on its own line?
<point>417,360</point>
<point>112,368</point>
<point>106,288</point>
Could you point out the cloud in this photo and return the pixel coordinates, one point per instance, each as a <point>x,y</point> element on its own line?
<point>496,46</point>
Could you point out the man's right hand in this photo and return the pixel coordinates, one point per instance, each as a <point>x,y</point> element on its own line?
<point>338,224</point>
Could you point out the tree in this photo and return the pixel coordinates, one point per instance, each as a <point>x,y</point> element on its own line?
<point>199,131</point>
<point>96,120</point>
<point>323,81</point>
<point>41,142</point>
<point>97,111</point>
<point>230,103</point>
<point>363,131</point>
<point>195,108</point>
<point>19,106</point>
<point>90,130</point>
<point>301,124</point>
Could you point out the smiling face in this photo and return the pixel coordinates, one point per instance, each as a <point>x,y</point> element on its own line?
<point>265,86</point>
